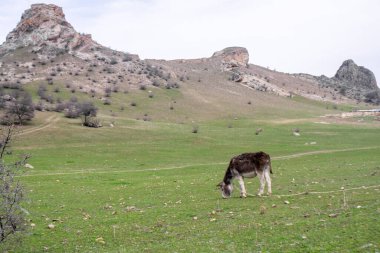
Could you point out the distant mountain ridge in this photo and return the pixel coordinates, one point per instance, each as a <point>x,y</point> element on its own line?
<point>45,34</point>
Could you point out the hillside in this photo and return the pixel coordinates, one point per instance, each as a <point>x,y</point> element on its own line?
<point>45,50</point>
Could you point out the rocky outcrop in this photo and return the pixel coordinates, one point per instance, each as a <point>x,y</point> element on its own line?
<point>44,27</point>
<point>356,76</point>
<point>45,30</point>
<point>232,57</point>
<point>356,82</point>
<point>352,81</point>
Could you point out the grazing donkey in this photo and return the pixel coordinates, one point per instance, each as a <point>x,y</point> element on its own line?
<point>247,165</point>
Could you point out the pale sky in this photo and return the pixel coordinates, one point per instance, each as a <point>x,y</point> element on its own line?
<point>308,36</point>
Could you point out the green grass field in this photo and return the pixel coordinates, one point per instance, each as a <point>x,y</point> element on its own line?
<point>151,186</point>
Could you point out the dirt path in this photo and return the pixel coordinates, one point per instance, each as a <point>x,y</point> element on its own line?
<point>48,123</point>
<point>297,155</point>
<point>321,152</point>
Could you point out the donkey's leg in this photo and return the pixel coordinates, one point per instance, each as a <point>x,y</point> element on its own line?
<point>268,180</point>
<point>261,177</point>
<point>243,192</point>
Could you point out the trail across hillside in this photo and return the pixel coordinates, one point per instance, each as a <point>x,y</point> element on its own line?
<point>326,151</point>
<point>48,123</point>
<point>297,155</point>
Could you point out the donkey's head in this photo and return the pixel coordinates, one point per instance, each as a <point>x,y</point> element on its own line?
<point>226,189</point>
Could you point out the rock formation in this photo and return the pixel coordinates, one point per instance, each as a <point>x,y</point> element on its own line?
<point>44,28</point>
<point>356,76</point>
<point>232,57</point>
<point>29,53</point>
<point>352,81</point>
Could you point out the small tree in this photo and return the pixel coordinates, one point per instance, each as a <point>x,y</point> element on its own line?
<point>19,110</point>
<point>11,191</point>
<point>88,111</point>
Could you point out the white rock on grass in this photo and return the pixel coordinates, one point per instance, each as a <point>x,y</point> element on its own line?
<point>28,166</point>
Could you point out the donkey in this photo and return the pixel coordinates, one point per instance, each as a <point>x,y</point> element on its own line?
<point>247,165</point>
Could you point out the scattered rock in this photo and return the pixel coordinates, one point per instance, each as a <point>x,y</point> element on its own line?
<point>51,226</point>
<point>28,166</point>
<point>100,240</point>
<point>333,215</point>
<point>263,209</point>
<point>86,216</point>
<point>368,245</point>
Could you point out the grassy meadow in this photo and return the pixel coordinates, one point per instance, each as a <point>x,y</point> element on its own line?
<point>149,186</point>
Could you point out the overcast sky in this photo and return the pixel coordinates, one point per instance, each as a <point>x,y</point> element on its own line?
<point>309,36</point>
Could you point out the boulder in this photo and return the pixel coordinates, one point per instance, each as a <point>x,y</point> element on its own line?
<point>356,76</point>
<point>232,57</point>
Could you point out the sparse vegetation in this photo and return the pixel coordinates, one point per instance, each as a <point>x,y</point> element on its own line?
<point>195,129</point>
<point>12,194</point>
<point>113,61</point>
<point>19,108</point>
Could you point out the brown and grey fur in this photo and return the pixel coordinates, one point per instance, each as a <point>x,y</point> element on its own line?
<point>247,165</point>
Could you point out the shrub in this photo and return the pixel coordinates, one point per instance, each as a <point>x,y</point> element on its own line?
<point>113,61</point>
<point>72,110</point>
<point>59,107</point>
<point>88,111</point>
<point>73,99</point>
<point>156,83</point>
<point>108,91</point>
<point>92,122</point>
<point>41,90</point>
<point>11,191</point>
<point>195,129</point>
<point>127,58</point>
<point>19,110</point>
<point>39,106</point>
<point>171,85</point>
<point>107,101</point>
